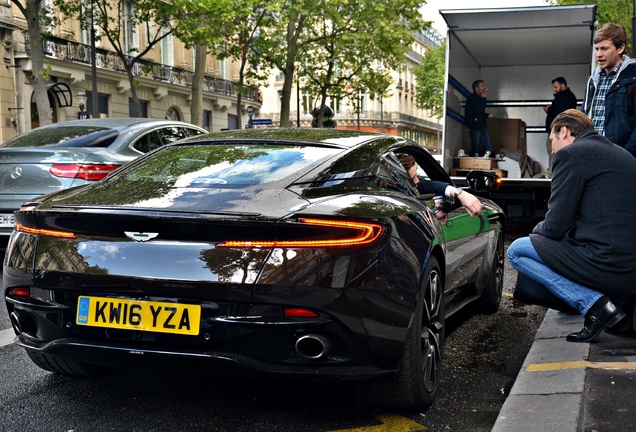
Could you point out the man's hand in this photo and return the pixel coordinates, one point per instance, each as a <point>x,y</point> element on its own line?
<point>470,202</point>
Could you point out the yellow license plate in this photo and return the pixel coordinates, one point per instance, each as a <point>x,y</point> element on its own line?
<point>141,315</point>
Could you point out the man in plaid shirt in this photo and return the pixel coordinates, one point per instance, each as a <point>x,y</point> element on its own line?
<point>609,97</point>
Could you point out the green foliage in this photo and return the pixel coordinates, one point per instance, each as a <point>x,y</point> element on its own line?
<point>45,73</point>
<point>361,39</point>
<point>335,48</point>
<point>429,75</point>
<point>614,11</point>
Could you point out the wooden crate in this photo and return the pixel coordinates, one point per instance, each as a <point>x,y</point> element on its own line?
<point>475,163</point>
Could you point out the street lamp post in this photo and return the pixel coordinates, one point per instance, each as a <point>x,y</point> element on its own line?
<point>95,106</point>
<point>297,102</point>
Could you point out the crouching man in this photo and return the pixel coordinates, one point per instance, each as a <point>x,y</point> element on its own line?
<point>584,251</point>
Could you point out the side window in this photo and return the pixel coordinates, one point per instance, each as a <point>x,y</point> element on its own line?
<point>148,142</point>
<point>396,175</point>
<point>171,134</point>
<point>192,132</point>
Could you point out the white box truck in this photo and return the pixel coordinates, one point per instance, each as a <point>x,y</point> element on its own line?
<point>517,52</point>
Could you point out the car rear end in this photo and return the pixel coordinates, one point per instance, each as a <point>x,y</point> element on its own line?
<point>255,276</point>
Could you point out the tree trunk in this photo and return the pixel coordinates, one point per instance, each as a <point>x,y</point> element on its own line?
<point>239,94</point>
<point>288,72</point>
<point>196,115</point>
<point>133,88</point>
<point>32,15</point>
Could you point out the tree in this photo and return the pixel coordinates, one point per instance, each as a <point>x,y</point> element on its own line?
<point>200,27</point>
<point>32,12</point>
<point>359,38</point>
<point>614,11</point>
<point>117,21</point>
<point>282,44</point>
<point>228,30</point>
<point>429,75</point>
<point>239,37</point>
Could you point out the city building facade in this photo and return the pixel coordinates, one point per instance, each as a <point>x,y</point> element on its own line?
<point>164,78</point>
<point>164,85</point>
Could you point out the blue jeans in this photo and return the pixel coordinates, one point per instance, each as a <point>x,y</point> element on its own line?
<point>525,259</point>
<point>478,138</point>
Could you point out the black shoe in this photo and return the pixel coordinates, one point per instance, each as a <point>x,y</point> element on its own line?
<point>602,314</point>
<point>624,327</point>
<point>621,328</point>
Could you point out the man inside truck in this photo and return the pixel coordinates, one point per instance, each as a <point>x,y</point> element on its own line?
<point>563,99</point>
<point>610,97</point>
<point>475,119</point>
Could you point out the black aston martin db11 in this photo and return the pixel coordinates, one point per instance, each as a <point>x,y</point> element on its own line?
<point>305,252</point>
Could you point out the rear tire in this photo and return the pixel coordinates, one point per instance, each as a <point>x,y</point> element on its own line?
<point>491,297</point>
<point>416,383</point>
<point>64,366</point>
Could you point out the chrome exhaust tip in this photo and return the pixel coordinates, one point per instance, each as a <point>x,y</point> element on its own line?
<point>15,322</point>
<point>313,347</point>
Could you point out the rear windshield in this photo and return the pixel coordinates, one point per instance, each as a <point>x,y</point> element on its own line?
<point>224,165</point>
<point>64,136</point>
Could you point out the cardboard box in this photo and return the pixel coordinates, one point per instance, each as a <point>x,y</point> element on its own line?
<point>507,133</point>
<point>476,163</point>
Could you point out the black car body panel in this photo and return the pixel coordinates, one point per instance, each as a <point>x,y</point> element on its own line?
<point>159,232</point>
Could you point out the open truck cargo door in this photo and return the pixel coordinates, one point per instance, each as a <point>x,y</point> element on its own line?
<point>517,52</point>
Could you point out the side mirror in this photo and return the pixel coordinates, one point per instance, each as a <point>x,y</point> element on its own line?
<point>482,181</point>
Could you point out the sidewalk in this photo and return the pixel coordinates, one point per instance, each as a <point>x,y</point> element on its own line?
<point>572,387</point>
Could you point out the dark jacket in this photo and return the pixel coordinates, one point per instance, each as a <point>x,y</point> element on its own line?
<point>564,100</point>
<point>475,112</point>
<point>431,186</point>
<point>620,115</point>
<point>588,234</point>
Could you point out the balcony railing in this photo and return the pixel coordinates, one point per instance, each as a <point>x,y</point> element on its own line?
<point>62,49</point>
<point>366,116</point>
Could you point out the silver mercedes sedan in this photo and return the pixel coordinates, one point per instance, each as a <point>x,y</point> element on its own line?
<point>73,153</point>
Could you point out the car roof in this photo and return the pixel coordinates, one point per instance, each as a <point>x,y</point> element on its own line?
<point>119,122</point>
<point>342,138</point>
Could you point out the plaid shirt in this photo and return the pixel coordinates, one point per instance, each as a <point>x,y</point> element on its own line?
<point>598,103</point>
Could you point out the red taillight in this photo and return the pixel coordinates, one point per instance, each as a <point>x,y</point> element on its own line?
<point>42,231</point>
<point>297,312</point>
<point>22,292</point>
<point>87,171</point>
<point>365,234</point>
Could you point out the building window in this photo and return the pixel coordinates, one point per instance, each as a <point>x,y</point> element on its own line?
<point>306,102</point>
<point>207,120</point>
<point>130,28</point>
<point>174,113</point>
<point>167,49</point>
<point>336,105</point>
<point>102,105</point>
<point>362,101</point>
<point>132,108</point>
<point>48,12</point>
